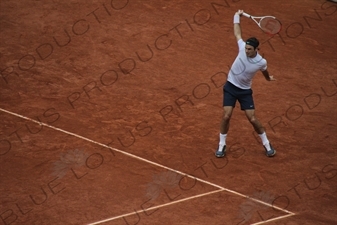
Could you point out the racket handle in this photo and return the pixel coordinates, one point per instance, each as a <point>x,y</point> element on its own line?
<point>246,15</point>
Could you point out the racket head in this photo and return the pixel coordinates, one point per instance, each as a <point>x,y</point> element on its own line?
<point>270,25</point>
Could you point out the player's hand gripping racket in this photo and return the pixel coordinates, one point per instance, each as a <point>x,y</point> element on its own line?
<point>268,24</point>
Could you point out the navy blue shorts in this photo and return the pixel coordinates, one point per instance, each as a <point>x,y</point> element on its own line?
<point>231,93</point>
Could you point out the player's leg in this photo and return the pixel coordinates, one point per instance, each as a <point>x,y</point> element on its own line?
<point>247,104</point>
<point>229,101</point>
<point>250,114</point>
<point>227,114</point>
<point>224,127</point>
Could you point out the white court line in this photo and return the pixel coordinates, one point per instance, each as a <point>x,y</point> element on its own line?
<point>155,207</point>
<point>273,219</point>
<point>115,149</point>
<point>145,160</point>
<point>178,201</point>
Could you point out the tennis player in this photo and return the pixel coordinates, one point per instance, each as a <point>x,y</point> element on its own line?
<point>238,88</point>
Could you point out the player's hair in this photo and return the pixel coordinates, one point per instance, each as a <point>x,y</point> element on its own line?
<point>253,42</point>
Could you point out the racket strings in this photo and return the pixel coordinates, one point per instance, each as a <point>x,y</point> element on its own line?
<point>270,25</point>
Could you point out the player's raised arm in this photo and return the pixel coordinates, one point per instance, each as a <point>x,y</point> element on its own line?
<point>237,28</point>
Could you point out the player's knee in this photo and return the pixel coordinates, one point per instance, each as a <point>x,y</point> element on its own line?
<point>226,117</point>
<point>253,120</point>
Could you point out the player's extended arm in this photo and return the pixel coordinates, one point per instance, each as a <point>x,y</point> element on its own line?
<point>267,76</point>
<point>237,28</point>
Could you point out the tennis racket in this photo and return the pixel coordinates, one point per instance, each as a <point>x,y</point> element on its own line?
<point>268,24</point>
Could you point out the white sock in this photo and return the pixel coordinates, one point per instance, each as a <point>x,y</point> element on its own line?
<point>265,141</point>
<point>222,141</point>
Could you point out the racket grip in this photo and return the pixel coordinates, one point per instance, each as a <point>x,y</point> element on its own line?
<point>246,15</point>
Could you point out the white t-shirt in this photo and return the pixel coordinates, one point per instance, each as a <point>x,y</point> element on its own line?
<point>244,68</point>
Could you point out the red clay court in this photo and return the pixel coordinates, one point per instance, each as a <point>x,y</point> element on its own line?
<point>110,114</point>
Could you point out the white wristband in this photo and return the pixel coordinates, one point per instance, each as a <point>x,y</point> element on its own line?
<point>236,18</point>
